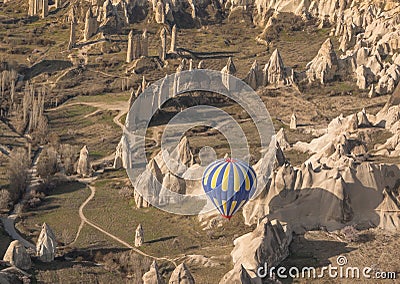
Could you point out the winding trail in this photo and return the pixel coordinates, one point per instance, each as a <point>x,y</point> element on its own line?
<point>9,221</point>
<point>122,108</point>
<point>85,220</point>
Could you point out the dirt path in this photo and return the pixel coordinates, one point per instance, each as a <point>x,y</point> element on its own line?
<point>9,227</point>
<point>9,221</point>
<point>122,109</point>
<point>85,220</point>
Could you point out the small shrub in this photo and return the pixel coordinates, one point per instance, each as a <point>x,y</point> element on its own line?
<point>350,234</point>
<point>126,192</point>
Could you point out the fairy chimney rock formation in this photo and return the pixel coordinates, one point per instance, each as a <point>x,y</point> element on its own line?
<point>362,119</point>
<point>137,47</point>
<point>91,25</point>
<point>181,275</point>
<point>293,122</point>
<point>389,211</point>
<point>129,53</point>
<point>238,275</point>
<point>45,8</point>
<point>72,36</point>
<point>163,36</point>
<point>267,245</point>
<point>153,167</point>
<point>173,39</point>
<point>148,185</point>
<point>83,168</point>
<point>32,7</point>
<point>139,236</point>
<point>253,78</point>
<point>153,276</point>
<point>17,255</point>
<point>121,159</point>
<point>324,66</point>
<point>172,189</point>
<point>46,244</point>
<point>183,153</point>
<point>275,72</point>
<point>282,140</point>
<point>372,93</point>
<point>145,43</point>
<point>229,69</point>
<point>160,12</point>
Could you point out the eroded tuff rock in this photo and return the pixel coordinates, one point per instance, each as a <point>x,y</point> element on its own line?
<point>148,185</point>
<point>267,245</point>
<point>254,77</point>
<point>389,210</point>
<point>293,122</point>
<point>229,69</point>
<point>172,188</point>
<point>91,25</point>
<point>121,159</point>
<point>367,32</point>
<point>181,275</point>
<point>84,168</point>
<point>282,140</point>
<point>46,244</point>
<point>337,177</point>
<point>239,275</point>
<point>17,255</point>
<point>324,66</point>
<point>139,236</point>
<point>182,152</point>
<point>275,72</point>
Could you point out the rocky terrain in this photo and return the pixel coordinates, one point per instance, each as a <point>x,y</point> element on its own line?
<point>70,70</point>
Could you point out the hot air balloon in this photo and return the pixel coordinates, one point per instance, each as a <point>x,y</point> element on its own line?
<point>229,184</point>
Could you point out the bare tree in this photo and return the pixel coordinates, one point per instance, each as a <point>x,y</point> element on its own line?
<point>69,155</point>
<point>47,164</point>
<point>4,199</point>
<point>18,166</point>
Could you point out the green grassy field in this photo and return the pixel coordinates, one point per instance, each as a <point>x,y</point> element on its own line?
<point>97,131</point>
<point>104,98</point>
<point>165,234</point>
<point>59,210</point>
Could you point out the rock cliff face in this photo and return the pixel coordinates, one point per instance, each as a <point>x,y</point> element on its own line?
<point>337,177</point>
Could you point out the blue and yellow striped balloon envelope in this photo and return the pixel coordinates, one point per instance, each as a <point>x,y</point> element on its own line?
<point>229,183</point>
